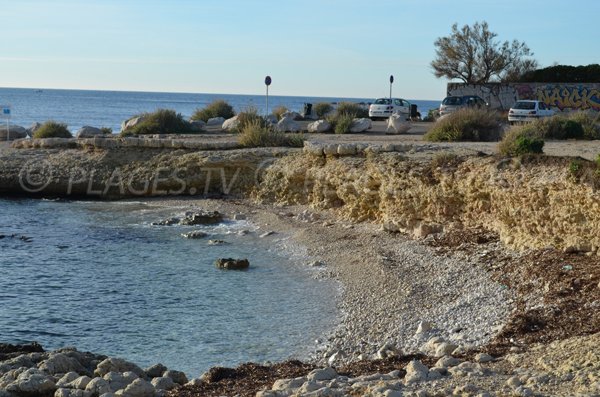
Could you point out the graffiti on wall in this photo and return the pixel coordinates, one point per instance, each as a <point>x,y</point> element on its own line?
<point>563,97</point>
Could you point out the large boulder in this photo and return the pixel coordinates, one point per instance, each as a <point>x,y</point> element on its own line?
<point>132,122</point>
<point>292,115</point>
<point>139,388</point>
<point>319,126</point>
<point>360,125</point>
<point>287,124</point>
<point>89,132</point>
<point>118,365</point>
<point>98,386</point>
<point>214,121</point>
<point>231,124</point>
<point>202,218</point>
<point>32,382</point>
<point>177,376</point>
<point>11,132</point>
<point>155,371</point>
<point>197,125</point>
<point>232,264</point>
<point>398,124</point>
<point>60,363</point>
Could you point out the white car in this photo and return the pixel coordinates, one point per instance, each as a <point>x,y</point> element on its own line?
<point>385,107</point>
<point>528,111</point>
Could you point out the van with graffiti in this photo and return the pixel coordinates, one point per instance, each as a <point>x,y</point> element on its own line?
<point>527,110</point>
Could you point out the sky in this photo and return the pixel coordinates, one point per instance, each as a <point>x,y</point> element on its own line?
<point>331,48</point>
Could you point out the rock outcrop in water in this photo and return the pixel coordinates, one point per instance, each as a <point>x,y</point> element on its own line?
<point>232,264</point>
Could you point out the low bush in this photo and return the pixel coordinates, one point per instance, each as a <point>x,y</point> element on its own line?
<point>279,111</point>
<point>106,130</point>
<point>250,116</point>
<point>52,129</point>
<point>161,121</point>
<point>218,108</point>
<point>520,140</point>
<point>353,109</point>
<point>343,123</point>
<point>469,124</point>
<point>590,123</point>
<point>432,115</point>
<point>322,109</point>
<point>256,134</point>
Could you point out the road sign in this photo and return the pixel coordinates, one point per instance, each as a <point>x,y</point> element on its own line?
<point>5,111</point>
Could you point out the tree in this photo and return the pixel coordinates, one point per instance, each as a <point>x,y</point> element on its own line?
<point>564,74</point>
<point>472,55</point>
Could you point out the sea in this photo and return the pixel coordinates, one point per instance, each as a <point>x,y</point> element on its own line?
<point>77,108</point>
<point>100,277</point>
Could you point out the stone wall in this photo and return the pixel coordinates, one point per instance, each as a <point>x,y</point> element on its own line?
<point>560,96</point>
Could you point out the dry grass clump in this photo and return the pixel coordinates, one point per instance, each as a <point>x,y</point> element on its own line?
<point>161,121</point>
<point>256,133</point>
<point>218,108</point>
<point>52,129</point>
<point>322,109</point>
<point>279,111</point>
<point>469,124</point>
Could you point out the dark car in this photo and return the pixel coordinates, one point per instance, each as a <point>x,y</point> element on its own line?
<point>453,103</point>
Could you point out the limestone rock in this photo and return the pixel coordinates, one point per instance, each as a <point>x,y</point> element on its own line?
<point>12,132</point>
<point>163,383</point>
<point>197,125</point>
<point>177,376</point>
<point>313,148</point>
<point>139,388</point>
<point>444,349</point>
<point>89,132</point>
<point>117,380</point>
<point>202,218</point>
<point>98,386</point>
<point>322,374</point>
<point>32,382</point>
<point>319,126</point>
<point>287,124</point>
<point>117,365</point>
<point>231,124</point>
<point>67,378</point>
<point>61,363</point>
<point>415,372</point>
<point>80,383</point>
<point>132,122</point>
<point>194,234</point>
<point>483,358</point>
<point>155,371</point>
<point>215,121</point>
<point>346,149</point>
<point>232,264</point>
<point>360,125</point>
<point>397,124</point>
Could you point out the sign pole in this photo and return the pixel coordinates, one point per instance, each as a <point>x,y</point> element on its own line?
<point>267,83</point>
<point>391,82</point>
<point>5,113</point>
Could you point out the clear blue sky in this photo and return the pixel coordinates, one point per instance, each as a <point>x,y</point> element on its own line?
<point>340,48</point>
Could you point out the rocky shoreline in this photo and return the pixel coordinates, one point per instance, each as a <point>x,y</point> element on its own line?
<point>473,276</point>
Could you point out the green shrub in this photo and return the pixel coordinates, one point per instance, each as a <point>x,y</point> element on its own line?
<point>106,130</point>
<point>218,108</point>
<point>469,124</point>
<point>52,129</point>
<point>432,115</point>
<point>279,111</point>
<point>322,109</point>
<point>590,122</point>
<point>343,123</point>
<point>161,121</point>
<point>558,127</point>
<point>250,116</point>
<point>256,134</point>
<point>521,140</point>
<point>353,109</point>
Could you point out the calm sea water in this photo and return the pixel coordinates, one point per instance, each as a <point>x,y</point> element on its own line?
<point>77,108</point>
<point>99,276</point>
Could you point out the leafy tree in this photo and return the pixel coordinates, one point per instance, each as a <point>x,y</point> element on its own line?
<point>473,55</point>
<point>564,74</point>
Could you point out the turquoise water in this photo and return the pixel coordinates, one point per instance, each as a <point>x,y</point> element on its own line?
<point>100,277</point>
<point>77,108</point>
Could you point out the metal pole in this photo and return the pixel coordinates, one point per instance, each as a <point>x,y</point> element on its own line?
<point>267,113</point>
<point>7,129</point>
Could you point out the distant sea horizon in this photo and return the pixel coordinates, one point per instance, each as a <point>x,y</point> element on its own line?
<point>108,108</point>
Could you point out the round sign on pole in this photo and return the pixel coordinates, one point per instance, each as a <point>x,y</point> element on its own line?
<point>391,79</point>
<point>268,80</point>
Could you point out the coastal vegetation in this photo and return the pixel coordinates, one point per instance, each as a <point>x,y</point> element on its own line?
<point>351,108</point>
<point>106,130</point>
<point>218,108</point>
<point>322,109</point>
<point>342,123</point>
<point>255,133</point>
<point>161,121</point>
<point>342,119</point>
<point>469,124</point>
<point>520,140</point>
<point>52,129</point>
